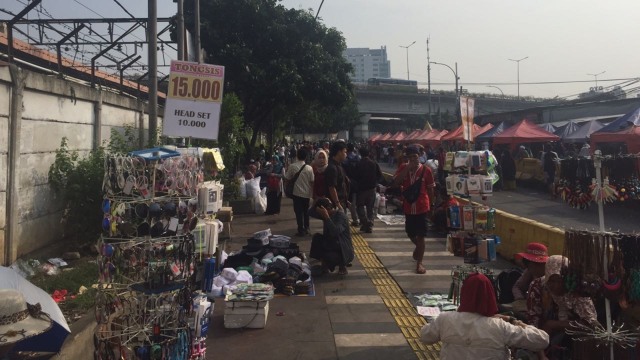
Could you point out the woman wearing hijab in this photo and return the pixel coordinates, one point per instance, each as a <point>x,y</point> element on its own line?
<point>475,331</point>
<point>319,165</point>
<point>274,186</point>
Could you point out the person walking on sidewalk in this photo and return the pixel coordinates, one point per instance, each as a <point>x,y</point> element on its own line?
<point>333,247</point>
<point>367,175</point>
<point>416,212</point>
<point>350,168</point>
<point>335,180</point>
<point>302,190</point>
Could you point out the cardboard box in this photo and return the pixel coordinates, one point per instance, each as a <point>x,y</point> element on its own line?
<point>225,214</point>
<point>246,314</point>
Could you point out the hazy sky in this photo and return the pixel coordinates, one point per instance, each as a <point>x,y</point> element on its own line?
<point>564,40</point>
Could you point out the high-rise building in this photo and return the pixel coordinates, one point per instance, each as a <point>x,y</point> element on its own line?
<point>368,63</point>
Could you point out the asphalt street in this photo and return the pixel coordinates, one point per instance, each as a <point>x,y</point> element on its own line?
<point>532,202</point>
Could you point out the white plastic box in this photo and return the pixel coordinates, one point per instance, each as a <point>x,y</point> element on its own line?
<point>246,314</point>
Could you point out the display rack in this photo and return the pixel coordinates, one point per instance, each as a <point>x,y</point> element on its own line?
<point>471,173</point>
<point>148,306</point>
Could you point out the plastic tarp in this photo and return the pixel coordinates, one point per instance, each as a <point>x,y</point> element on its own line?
<point>550,128</point>
<point>623,122</point>
<point>566,130</point>
<point>489,134</point>
<point>431,138</point>
<point>52,339</point>
<point>384,137</point>
<point>583,133</point>
<point>524,132</point>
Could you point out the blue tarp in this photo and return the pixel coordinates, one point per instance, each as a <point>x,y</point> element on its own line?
<point>583,133</point>
<point>623,122</point>
<point>567,129</point>
<point>487,135</point>
<point>550,128</point>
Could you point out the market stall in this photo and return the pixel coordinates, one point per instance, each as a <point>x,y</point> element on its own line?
<point>548,127</point>
<point>522,133</point>
<point>489,134</point>
<point>625,130</point>
<point>583,133</point>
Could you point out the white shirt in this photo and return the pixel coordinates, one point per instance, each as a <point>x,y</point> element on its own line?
<point>475,337</point>
<point>304,185</point>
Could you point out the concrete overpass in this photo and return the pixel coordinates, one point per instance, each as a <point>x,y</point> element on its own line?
<point>376,103</point>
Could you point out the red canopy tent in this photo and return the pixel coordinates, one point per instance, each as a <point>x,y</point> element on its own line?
<point>629,136</point>
<point>373,138</point>
<point>483,129</point>
<point>412,135</point>
<point>430,137</point>
<point>398,136</point>
<point>524,132</point>
<point>384,137</point>
<point>458,133</point>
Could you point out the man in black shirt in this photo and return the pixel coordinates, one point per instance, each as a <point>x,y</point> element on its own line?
<point>335,180</point>
<point>367,175</point>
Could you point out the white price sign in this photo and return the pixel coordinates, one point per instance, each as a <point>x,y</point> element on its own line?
<point>193,100</point>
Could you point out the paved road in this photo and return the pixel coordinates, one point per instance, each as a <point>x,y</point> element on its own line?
<point>534,203</point>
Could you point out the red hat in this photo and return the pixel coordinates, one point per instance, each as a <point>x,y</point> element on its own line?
<point>535,252</point>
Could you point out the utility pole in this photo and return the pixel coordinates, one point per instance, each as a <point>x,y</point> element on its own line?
<point>197,16</point>
<point>180,29</point>
<point>152,37</point>
<point>429,81</point>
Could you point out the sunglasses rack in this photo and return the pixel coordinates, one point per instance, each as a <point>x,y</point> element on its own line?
<point>147,305</point>
<point>459,273</point>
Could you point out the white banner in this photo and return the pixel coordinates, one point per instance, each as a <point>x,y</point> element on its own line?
<point>467,113</point>
<point>194,100</point>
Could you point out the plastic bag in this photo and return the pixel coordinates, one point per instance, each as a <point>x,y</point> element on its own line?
<point>261,201</point>
<point>252,187</point>
<point>243,187</point>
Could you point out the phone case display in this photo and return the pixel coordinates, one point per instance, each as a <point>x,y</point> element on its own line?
<point>147,305</point>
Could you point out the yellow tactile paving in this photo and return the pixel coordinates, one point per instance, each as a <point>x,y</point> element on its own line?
<point>405,315</point>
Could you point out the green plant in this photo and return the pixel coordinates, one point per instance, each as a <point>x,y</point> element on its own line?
<point>79,182</point>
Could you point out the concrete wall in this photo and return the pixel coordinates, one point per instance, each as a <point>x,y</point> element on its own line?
<point>52,108</point>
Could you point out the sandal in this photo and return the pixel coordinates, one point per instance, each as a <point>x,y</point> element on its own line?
<point>420,269</point>
<point>342,271</point>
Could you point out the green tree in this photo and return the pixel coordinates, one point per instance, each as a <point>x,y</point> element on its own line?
<point>278,61</point>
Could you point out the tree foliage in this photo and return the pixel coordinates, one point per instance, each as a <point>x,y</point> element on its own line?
<point>282,63</point>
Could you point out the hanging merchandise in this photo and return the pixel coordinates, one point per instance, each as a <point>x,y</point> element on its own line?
<point>148,305</point>
<point>459,273</point>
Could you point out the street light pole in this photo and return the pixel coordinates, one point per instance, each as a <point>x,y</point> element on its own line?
<point>596,76</point>
<point>455,73</point>
<point>407,48</point>
<point>518,62</point>
<point>492,86</point>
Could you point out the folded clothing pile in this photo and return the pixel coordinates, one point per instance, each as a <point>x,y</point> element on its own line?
<point>250,292</point>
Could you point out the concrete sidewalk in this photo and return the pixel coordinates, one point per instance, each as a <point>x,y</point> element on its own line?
<point>364,315</point>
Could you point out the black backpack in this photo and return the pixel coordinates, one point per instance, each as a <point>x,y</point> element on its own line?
<point>505,281</point>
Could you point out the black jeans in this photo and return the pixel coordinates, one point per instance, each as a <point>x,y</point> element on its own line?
<point>301,209</point>
<point>365,201</point>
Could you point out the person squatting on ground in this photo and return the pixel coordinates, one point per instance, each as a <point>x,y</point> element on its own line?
<point>302,190</point>
<point>416,212</point>
<point>335,180</point>
<point>333,247</point>
<point>367,175</point>
<point>475,331</point>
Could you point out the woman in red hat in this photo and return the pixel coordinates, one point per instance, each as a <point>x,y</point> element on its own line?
<point>534,259</point>
<point>475,331</point>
